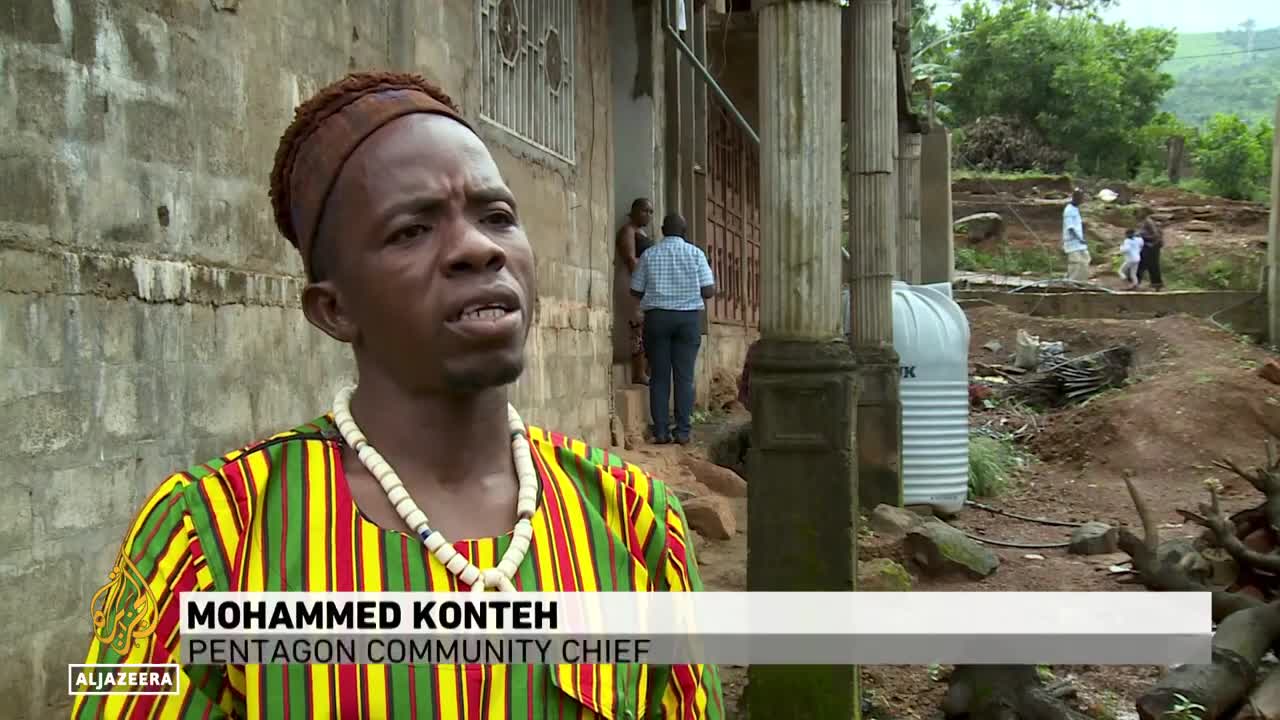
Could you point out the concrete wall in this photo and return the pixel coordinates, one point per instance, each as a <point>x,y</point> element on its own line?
<point>637,141</point>
<point>724,350</point>
<point>149,316</point>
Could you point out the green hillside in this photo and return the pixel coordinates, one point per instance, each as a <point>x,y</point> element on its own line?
<point>1241,83</point>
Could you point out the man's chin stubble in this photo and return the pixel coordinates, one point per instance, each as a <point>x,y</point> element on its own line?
<point>474,380</point>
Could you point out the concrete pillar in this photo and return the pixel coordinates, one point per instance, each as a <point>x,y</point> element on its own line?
<point>908,235</point>
<point>937,239</point>
<point>873,135</point>
<point>803,498</point>
<point>1273,241</point>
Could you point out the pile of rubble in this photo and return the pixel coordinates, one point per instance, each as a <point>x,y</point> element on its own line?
<point>1041,374</point>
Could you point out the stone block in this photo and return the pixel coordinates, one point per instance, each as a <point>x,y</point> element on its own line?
<point>883,574</point>
<point>47,422</point>
<point>56,646</point>
<point>30,21</point>
<point>17,532</point>
<point>146,40</point>
<point>893,521</point>
<point>720,480</point>
<point>42,97</point>
<point>42,593</point>
<point>631,403</point>
<point>1093,538</point>
<point>712,516</point>
<point>158,132</point>
<point>16,687</point>
<point>940,550</point>
<point>29,195</point>
<point>31,330</point>
<point>88,496</point>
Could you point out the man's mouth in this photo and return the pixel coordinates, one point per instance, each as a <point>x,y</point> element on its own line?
<point>488,311</point>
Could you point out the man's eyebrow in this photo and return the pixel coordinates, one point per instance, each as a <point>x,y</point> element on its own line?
<point>416,205</point>
<point>491,193</point>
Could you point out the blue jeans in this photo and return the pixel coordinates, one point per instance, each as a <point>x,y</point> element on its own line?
<point>671,342</point>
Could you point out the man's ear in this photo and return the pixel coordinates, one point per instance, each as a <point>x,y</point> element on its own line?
<point>322,304</point>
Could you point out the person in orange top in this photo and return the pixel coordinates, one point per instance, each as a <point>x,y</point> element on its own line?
<point>416,257</point>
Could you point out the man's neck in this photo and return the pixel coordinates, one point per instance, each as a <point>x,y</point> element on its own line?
<point>432,438</point>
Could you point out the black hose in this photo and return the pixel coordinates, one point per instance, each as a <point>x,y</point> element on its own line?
<point>1024,546</point>
<point>1015,516</point>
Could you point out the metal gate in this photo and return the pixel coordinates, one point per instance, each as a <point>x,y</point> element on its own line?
<point>733,220</point>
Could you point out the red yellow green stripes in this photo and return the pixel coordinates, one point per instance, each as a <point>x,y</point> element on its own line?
<point>279,516</point>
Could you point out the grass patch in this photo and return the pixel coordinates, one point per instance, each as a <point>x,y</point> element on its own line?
<point>1010,261</point>
<point>1188,267</point>
<point>969,174</point>
<point>992,464</point>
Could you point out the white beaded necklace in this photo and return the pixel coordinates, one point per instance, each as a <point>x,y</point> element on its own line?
<point>526,501</point>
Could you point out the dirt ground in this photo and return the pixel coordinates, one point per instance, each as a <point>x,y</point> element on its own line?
<point>1194,396</point>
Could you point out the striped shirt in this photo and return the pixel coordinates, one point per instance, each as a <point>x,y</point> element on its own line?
<point>279,516</point>
<point>671,275</point>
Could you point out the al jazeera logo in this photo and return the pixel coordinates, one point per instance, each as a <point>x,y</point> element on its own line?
<point>124,619</point>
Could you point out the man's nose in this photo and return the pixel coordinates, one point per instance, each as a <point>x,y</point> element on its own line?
<point>473,251</point>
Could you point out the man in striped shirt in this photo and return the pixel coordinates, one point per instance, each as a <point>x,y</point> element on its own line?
<point>415,256</point>
<point>673,283</point>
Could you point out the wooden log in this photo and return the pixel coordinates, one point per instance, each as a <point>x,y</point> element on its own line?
<point>1004,692</point>
<point>1219,687</point>
<point>1264,701</point>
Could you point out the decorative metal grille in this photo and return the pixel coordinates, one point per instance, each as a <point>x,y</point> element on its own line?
<point>527,78</point>
<point>733,220</point>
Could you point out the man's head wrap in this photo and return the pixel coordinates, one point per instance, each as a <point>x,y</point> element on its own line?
<point>324,133</point>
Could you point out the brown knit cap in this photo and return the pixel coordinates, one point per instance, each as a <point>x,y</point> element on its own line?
<point>325,131</point>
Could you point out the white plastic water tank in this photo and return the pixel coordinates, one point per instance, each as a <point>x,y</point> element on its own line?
<point>931,335</point>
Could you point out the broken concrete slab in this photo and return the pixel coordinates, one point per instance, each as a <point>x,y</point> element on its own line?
<point>1093,538</point>
<point>720,480</point>
<point>893,521</point>
<point>940,550</point>
<point>711,516</point>
<point>982,226</point>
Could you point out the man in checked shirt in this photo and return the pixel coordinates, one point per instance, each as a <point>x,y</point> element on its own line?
<point>673,281</point>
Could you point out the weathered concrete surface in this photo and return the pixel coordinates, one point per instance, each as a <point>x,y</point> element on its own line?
<point>149,318</point>
<point>1244,312</point>
<point>724,350</point>
<point>908,230</point>
<point>873,210</point>
<point>937,241</point>
<point>802,507</point>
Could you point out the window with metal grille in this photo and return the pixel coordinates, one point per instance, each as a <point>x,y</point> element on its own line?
<point>527,76</point>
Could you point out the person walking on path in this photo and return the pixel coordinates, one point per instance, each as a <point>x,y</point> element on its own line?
<point>1073,242</point>
<point>632,241</point>
<point>1152,242</point>
<point>673,281</point>
<point>1131,250</point>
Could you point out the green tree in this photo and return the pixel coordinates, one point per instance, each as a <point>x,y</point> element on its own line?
<point>1082,83</point>
<point>1229,156</point>
<point>1266,141</point>
<point>1153,141</point>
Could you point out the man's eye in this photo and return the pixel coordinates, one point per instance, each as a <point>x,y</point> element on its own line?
<point>411,232</point>
<point>501,218</point>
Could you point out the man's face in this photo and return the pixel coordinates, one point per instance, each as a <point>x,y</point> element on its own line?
<point>434,278</point>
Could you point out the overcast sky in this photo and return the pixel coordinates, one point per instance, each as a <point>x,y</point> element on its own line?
<point>1182,15</point>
